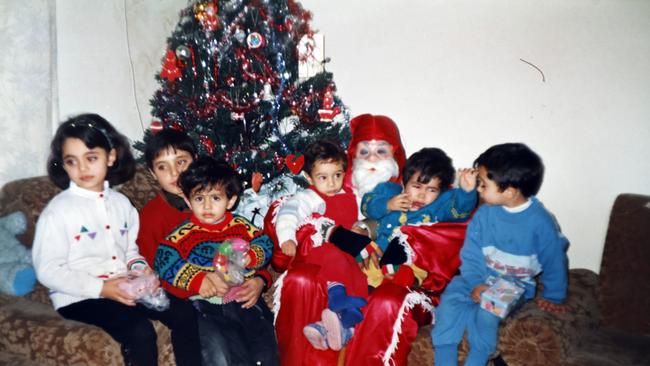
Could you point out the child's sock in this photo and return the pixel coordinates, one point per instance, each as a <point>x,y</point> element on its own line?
<point>316,335</point>
<point>395,253</point>
<point>348,241</point>
<point>338,299</point>
<point>350,317</point>
<point>337,335</point>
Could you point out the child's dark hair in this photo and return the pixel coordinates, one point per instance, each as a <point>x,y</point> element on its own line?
<point>513,165</point>
<point>167,138</point>
<point>430,163</point>
<point>94,131</point>
<point>326,151</point>
<point>205,173</point>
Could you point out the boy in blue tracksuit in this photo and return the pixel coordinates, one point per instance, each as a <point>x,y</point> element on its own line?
<point>511,235</point>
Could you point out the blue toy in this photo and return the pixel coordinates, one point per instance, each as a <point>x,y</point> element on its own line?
<point>17,276</point>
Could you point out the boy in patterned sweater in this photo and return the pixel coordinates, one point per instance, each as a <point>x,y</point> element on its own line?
<point>237,332</point>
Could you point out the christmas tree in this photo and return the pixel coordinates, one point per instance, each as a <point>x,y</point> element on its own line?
<point>245,79</point>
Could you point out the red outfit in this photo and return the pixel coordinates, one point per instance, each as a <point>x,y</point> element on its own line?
<point>393,313</point>
<point>157,219</point>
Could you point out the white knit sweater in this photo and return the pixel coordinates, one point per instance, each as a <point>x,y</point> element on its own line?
<point>83,237</point>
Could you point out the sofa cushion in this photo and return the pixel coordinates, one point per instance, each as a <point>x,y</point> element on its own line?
<point>35,331</point>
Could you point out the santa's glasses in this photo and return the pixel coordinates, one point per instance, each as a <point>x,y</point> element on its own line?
<point>378,149</point>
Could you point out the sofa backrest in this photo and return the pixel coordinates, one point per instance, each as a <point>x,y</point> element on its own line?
<point>30,196</point>
<point>625,267</point>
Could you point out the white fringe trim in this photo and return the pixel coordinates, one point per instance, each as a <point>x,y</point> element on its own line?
<point>281,201</point>
<point>403,240</point>
<point>277,295</point>
<point>410,300</point>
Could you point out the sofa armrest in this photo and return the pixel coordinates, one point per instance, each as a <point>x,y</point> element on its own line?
<point>536,337</point>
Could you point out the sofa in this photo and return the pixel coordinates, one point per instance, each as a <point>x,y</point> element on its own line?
<point>609,322</point>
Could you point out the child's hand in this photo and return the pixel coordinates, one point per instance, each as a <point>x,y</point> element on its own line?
<point>213,285</point>
<point>401,202</point>
<point>111,290</point>
<point>250,292</point>
<point>289,248</point>
<point>477,291</point>
<point>552,307</point>
<point>467,179</point>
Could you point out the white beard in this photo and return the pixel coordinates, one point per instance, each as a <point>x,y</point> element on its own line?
<point>364,179</point>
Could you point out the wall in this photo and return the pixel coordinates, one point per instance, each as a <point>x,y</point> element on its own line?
<point>25,87</point>
<point>449,72</point>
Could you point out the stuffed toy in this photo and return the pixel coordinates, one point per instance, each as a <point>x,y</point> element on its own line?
<point>17,276</point>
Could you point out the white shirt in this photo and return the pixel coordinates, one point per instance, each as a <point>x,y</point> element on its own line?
<point>294,210</point>
<point>83,237</point>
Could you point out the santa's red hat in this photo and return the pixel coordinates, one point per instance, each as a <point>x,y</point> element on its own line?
<point>368,127</point>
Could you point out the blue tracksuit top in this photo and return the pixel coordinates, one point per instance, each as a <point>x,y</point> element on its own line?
<point>520,245</point>
<point>452,205</point>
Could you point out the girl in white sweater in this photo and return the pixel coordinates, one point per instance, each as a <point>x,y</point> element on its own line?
<point>85,239</point>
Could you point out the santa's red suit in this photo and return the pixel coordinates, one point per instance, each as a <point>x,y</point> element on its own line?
<point>394,311</point>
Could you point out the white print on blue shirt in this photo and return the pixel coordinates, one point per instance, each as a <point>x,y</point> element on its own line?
<point>521,267</point>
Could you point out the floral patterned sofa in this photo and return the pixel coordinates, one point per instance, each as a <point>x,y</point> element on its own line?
<point>32,333</point>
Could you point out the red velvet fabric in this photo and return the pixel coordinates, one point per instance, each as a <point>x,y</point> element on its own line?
<point>436,249</point>
<point>304,295</point>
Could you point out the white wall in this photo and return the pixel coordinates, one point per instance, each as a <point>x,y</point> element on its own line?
<point>449,72</point>
<point>25,87</point>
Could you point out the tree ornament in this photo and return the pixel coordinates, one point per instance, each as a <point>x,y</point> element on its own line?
<point>256,181</point>
<point>170,70</point>
<point>255,40</point>
<point>206,14</point>
<point>207,144</point>
<point>295,163</point>
<point>327,112</point>
<point>183,52</point>
<point>155,126</point>
<point>268,93</point>
<point>239,35</point>
<point>287,124</point>
<point>278,161</point>
<point>236,116</point>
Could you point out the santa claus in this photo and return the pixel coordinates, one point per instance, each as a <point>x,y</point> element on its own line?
<point>394,311</point>
<point>375,153</point>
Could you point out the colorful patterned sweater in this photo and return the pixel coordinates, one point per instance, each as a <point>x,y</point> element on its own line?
<point>185,256</point>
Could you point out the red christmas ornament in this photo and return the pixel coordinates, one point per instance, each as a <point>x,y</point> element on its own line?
<point>207,143</point>
<point>170,69</point>
<point>295,163</point>
<point>327,112</point>
<point>155,127</point>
